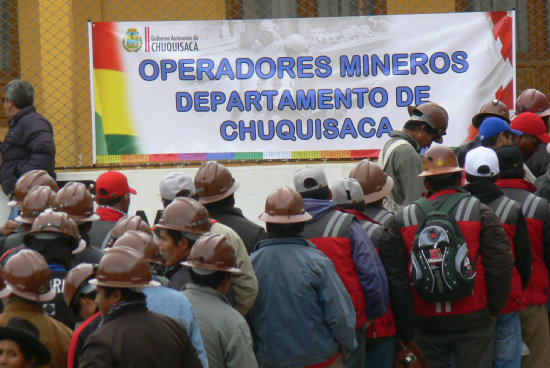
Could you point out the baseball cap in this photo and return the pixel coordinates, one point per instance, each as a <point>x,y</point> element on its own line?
<point>309,178</point>
<point>531,123</point>
<point>482,161</point>
<point>174,183</point>
<point>493,126</point>
<point>347,191</point>
<point>510,160</point>
<point>112,184</point>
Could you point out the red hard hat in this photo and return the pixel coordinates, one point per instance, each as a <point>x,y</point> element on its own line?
<point>532,100</point>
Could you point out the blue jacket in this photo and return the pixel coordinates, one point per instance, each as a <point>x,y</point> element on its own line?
<point>303,315</point>
<point>175,305</point>
<point>370,270</point>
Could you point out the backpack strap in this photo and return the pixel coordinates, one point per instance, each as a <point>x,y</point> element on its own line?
<point>384,156</point>
<point>427,207</point>
<point>452,201</point>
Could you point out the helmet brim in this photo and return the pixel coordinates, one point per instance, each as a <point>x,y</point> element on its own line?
<point>440,171</point>
<point>120,284</point>
<point>204,266</point>
<point>46,297</point>
<point>81,246</point>
<point>13,203</point>
<point>376,196</point>
<point>219,197</point>
<point>293,219</point>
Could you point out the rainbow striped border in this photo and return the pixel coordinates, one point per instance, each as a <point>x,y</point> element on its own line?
<point>240,156</point>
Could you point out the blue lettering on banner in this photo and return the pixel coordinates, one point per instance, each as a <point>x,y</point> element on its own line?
<point>304,66</point>
<point>304,129</point>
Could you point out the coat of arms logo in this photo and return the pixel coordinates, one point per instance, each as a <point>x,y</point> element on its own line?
<point>132,42</point>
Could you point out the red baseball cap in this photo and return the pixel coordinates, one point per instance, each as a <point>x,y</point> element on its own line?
<point>114,183</point>
<point>531,123</point>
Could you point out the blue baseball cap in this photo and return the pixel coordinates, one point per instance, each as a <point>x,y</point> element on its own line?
<point>492,126</point>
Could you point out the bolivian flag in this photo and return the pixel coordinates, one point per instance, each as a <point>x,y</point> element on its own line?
<point>114,129</point>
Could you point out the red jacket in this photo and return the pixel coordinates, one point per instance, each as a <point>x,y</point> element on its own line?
<point>537,217</point>
<point>382,326</point>
<point>507,212</point>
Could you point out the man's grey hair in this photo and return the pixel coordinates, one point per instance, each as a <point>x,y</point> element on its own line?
<point>20,92</point>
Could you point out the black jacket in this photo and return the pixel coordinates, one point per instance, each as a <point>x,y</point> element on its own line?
<point>132,336</point>
<point>497,260</point>
<point>233,217</point>
<point>28,145</point>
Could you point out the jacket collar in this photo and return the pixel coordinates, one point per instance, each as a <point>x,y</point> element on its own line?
<point>408,138</point>
<point>516,183</point>
<point>485,191</point>
<point>24,111</point>
<point>277,241</point>
<point>124,308</point>
<point>215,208</point>
<point>206,290</point>
<point>17,304</point>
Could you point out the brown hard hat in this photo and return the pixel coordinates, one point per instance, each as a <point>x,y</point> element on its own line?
<point>29,180</point>
<point>123,267</point>
<point>140,242</point>
<point>432,114</point>
<point>37,200</point>
<point>212,252</point>
<point>285,206</point>
<point>214,182</point>
<point>5,289</point>
<point>439,160</point>
<point>185,214</point>
<point>375,183</point>
<point>28,275</point>
<point>532,100</point>
<point>75,279</point>
<point>77,201</point>
<point>126,223</point>
<point>491,108</point>
<point>56,223</point>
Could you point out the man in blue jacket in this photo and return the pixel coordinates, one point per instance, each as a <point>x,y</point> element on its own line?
<point>303,316</point>
<point>340,236</point>
<point>29,143</point>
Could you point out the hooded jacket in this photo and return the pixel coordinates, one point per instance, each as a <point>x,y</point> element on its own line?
<point>353,254</point>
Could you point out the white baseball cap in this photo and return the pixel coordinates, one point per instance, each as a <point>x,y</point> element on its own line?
<point>309,178</point>
<point>482,161</point>
<point>174,183</point>
<point>347,191</point>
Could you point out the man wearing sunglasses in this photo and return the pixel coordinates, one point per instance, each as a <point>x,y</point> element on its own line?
<point>29,142</point>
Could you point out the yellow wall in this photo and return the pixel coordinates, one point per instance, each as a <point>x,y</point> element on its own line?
<point>420,6</point>
<point>54,56</point>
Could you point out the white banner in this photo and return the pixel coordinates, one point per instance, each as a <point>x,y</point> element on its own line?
<point>287,85</point>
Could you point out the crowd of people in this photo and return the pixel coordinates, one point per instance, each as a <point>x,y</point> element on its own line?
<point>433,260</point>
